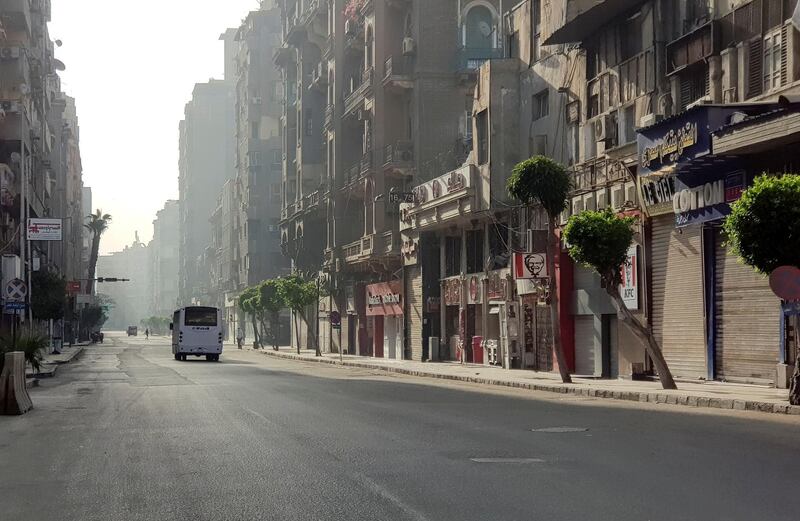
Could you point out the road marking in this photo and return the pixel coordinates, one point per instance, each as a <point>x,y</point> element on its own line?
<point>560,430</point>
<point>506,460</point>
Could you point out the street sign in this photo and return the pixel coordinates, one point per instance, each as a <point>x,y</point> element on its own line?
<point>44,229</point>
<point>11,308</point>
<point>336,320</point>
<point>16,290</point>
<point>785,283</point>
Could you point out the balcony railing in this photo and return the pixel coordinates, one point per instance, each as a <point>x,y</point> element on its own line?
<point>470,59</point>
<point>329,117</point>
<point>366,163</point>
<point>395,66</point>
<point>398,154</point>
<point>388,242</point>
<point>356,96</point>
<point>352,251</point>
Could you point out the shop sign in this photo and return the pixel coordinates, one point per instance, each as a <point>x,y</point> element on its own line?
<point>528,324</point>
<point>433,304</point>
<point>452,291</point>
<point>701,198</point>
<point>384,298</point>
<point>44,229</point>
<point>450,183</point>
<point>784,281</point>
<point>657,194</point>
<point>498,284</point>
<point>679,139</point>
<point>474,287</point>
<point>629,287</point>
<point>530,266</point>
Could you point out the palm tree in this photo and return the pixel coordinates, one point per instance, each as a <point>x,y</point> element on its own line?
<point>97,225</point>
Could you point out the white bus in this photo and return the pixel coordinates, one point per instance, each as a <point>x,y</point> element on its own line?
<point>197,331</point>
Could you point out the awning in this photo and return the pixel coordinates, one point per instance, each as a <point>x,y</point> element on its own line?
<point>586,17</point>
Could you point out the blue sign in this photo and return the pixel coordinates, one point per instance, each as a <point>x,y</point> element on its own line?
<point>10,307</point>
<point>707,196</point>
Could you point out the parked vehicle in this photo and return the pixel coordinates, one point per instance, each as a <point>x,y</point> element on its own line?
<point>197,331</point>
<point>133,330</point>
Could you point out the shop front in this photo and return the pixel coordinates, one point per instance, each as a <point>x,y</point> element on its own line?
<point>713,316</point>
<point>384,310</point>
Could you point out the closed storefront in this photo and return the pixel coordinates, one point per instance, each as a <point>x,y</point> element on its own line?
<point>677,296</point>
<point>414,307</point>
<point>747,315</point>
<point>385,318</point>
<point>587,346</point>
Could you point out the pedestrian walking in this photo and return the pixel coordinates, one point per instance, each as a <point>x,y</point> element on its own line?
<point>239,337</point>
<point>147,334</point>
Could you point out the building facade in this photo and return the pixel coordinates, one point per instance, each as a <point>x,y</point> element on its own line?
<point>163,252</point>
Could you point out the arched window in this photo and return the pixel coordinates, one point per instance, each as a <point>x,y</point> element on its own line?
<point>479,28</point>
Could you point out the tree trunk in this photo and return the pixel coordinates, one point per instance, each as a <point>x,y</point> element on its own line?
<point>296,329</point>
<point>93,263</point>
<point>644,334</point>
<point>256,337</point>
<point>794,387</point>
<point>553,249</point>
<point>314,339</point>
<point>276,326</point>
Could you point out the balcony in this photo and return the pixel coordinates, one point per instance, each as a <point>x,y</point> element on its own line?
<point>398,158</point>
<point>586,17</point>
<point>623,83</point>
<point>360,88</point>
<point>470,59</point>
<point>390,243</point>
<point>319,77</point>
<point>366,164</point>
<point>16,15</point>
<point>352,251</point>
<point>397,73</point>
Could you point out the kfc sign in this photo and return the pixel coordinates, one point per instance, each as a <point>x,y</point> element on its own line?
<point>530,266</point>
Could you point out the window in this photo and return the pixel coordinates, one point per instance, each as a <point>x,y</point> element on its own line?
<point>772,60</point>
<point>541,104</point>
<point>480,31</point>
<point>277,156</point>
<point>474,251</point>
<point>254,129</point>
<point>482,122</point>
<point>309,122</point>
<point>536,34</point>
<point>201,317</point>
<point>452,255</point>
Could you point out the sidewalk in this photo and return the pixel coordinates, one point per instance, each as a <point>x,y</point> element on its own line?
<point>693,394</point>
<point>50,362</point>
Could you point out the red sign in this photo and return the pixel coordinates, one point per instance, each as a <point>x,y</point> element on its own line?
<point>785,282</point>
<point>73,287</point>
<point>385,298</point>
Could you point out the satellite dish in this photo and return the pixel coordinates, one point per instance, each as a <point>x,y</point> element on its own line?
<point>59,43</point>
<point>59,65</point>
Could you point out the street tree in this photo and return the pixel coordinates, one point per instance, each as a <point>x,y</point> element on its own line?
<point>298,294</point>
<point>600,241</point>
<point>97,225</point>
<point>49,296</point>
<point>248,302</point>
<point>271,302</point>
<point>544,182</point>
<point>763,230</point>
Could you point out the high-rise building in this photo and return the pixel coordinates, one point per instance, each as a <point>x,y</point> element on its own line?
<point>163,251</point>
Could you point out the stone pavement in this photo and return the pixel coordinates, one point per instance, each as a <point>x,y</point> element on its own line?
<point>693,394</point>
<point>50,362</point>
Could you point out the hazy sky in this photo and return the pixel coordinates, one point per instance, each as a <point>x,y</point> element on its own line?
<point>132,66</point>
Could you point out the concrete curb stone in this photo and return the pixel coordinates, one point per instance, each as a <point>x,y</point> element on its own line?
<point>640,396</point>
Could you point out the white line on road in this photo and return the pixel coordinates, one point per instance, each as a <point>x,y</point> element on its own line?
<point>506,460</point>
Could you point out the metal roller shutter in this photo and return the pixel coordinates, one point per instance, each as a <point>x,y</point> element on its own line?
<point>747,321</point>
<point>413,310</point>
<point>587,349</point>
<point>677,296</point>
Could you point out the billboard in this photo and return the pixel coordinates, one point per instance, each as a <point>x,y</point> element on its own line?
<point>44,229</point>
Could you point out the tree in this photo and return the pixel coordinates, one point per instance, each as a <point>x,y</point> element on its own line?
<point>298,293</point>
<point>540,180</point>
<point>249,304</point>
<point>763,229</point>
<point>271,301</point>
<point>97,226</point>
<point>49,296</point>
<point>600,240</point>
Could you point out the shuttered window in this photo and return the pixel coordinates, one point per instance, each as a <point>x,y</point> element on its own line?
<point>754,79</point>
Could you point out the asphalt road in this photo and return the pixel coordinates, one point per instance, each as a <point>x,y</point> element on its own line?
<point>127,433</point>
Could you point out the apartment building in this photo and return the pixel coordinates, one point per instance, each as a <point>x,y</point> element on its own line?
<point>378,96</point>
<point>206,132</point>
<point>163,253</point>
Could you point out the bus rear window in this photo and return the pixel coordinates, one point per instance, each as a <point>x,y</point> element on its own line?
<point>206,317</point>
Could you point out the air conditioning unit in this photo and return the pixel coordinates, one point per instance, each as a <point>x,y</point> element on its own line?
<point>409,46</point>
<point>605,129</point>
<point>9,52</point>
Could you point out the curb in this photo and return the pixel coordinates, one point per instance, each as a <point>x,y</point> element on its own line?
<point>48,369</point>
<point>31,382</point>
<point>633,396</point>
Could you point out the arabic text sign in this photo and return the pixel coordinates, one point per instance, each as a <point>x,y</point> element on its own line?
<point>44,229</point>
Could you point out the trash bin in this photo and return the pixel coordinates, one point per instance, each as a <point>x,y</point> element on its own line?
<point>477,350</point>
<point>433,349</point>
